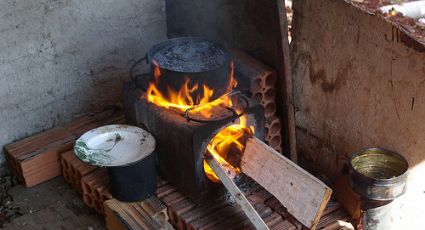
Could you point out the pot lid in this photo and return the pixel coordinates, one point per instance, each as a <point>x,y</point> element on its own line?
<point>189,55</point>
<point>114,145</point>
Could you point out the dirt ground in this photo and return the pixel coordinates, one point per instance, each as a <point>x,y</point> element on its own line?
<point>51,205</point>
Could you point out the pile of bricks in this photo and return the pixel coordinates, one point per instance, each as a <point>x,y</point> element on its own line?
<point>48,154</point>
<point>73,169</point>
<point>186,214</point>
<point>148,214</point>
<point>37,159</point>
<point>95,189</point>
<point>91,181</point>
<point>260,81</point>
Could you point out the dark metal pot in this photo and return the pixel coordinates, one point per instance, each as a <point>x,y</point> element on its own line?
<point>217,77</point>
<point>134,182</point>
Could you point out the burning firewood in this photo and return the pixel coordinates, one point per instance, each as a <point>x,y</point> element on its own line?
<point>304,196</point>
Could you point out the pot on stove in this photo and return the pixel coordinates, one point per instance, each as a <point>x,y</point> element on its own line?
<point>191,59</point>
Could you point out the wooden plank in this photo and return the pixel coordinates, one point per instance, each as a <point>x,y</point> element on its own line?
<point>237,194</point>
<point>304,196</point>
<point>286,89</point>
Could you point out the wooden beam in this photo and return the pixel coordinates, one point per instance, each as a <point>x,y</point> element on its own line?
<point>304,196</point>
<point>237,194</point>
<point>286,88</point>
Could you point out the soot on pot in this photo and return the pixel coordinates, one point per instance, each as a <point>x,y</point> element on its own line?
<point>191,56</point>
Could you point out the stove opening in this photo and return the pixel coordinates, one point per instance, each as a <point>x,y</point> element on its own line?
<point>227,146</point>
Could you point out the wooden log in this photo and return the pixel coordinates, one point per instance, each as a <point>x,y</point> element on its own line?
<point>236,194</point>
<point>304,196</point>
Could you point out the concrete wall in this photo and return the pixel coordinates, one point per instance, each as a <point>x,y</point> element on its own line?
<point>359,82</point>
<point>60,58</point>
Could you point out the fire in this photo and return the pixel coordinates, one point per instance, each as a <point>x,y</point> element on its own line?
<point>228,141</point>
<point>182,100</point>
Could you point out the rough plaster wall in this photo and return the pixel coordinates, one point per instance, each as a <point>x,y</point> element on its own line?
<point>61,58</point>
<point>356,86</point>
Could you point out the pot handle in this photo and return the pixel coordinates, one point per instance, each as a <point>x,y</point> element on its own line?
<point>131,74</point>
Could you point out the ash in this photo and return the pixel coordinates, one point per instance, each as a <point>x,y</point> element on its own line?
<point>245,184</point>
<point>191,56</point>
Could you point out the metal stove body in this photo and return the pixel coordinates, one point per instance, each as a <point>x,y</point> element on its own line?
<point>182,140</point>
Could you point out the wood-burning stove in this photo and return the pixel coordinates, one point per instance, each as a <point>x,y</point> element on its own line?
<point>186,106</point>
<point>182,141</point>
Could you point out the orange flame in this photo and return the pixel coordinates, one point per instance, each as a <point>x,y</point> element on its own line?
<point>227,141</point>
<point>183,100</point>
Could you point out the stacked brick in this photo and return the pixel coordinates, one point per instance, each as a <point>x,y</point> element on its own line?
<point>148,214</point>
<point>37,159</point>
<point>95,189</point>
<point>260,81</point>
<point>185,214</point>
<point>73,169</point>
<point>273,136</point>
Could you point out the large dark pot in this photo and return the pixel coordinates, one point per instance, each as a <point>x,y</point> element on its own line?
<point>213,71</point>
